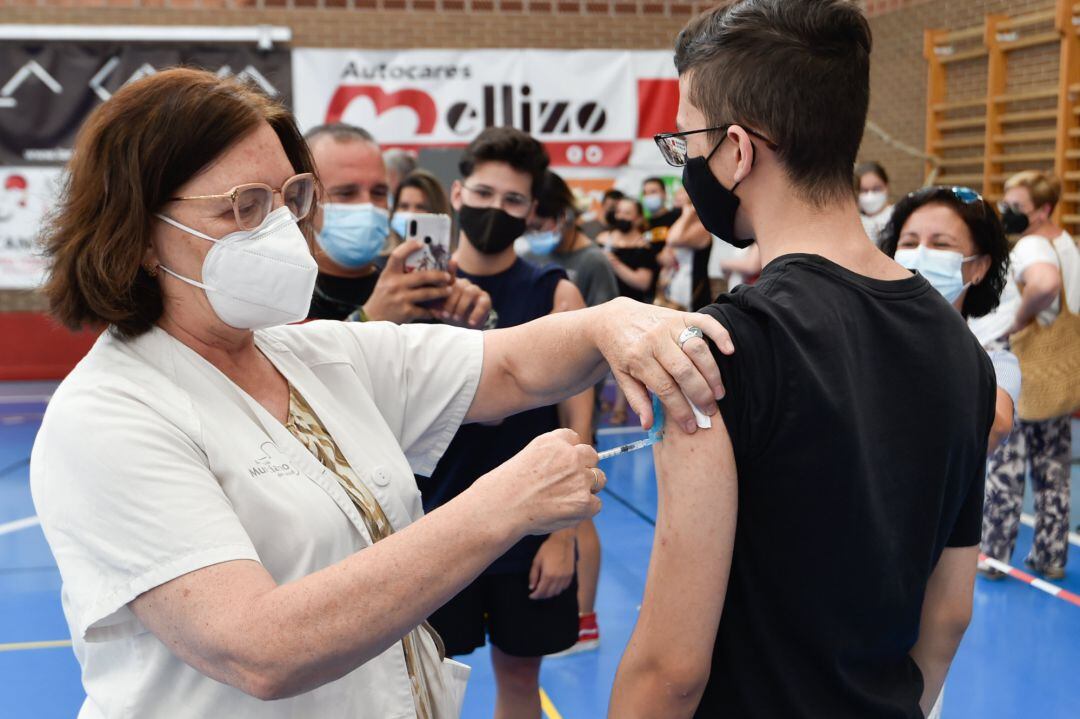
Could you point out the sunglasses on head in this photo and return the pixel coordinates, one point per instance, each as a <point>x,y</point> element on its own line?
<point>964,194</point>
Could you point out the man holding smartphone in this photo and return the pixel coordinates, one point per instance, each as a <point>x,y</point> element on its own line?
<point>526,602</point>
<point>355,275</point>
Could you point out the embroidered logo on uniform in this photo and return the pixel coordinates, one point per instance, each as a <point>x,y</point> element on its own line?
<point>271,463</point>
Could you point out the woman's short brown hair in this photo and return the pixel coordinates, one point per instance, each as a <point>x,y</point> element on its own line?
<point>1043,187</point>
<point>132,154</point>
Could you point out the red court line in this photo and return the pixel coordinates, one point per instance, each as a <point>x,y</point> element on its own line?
<point>1044,586</point>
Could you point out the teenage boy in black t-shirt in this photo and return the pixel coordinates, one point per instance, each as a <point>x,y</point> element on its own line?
<point>856,418</point>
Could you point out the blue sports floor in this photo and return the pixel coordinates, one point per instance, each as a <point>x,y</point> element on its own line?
<point>1020,658</point>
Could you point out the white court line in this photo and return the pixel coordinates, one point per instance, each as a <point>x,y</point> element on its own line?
<point>608,431</point>
<point>26,399</point>
<point>24,523</point>
<point>1029,520</point>
<point>23,646</point>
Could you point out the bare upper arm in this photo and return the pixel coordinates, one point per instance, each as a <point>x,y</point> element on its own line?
<point>567,297</point>
<point>949,591</point>
<point>692,549</point>
<point>1041,277</point>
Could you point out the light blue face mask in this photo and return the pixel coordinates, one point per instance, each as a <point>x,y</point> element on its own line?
<point>543,243</point>
<point>943,269</point>
<point>352,235</point>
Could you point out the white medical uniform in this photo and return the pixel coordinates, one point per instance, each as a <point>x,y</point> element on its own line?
<point>151,464</point>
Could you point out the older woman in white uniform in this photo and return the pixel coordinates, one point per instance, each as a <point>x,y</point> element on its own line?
<point>231,501</point>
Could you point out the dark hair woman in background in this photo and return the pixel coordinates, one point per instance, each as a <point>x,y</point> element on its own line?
<point>955,240</point>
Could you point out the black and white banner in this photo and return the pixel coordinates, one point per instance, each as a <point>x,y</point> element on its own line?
<point>47,89</point>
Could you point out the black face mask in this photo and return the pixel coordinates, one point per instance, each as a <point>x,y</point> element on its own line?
<point>715,204</point>
<point>1013,220</point>
<point>620,225</point>
<point>490,229</point>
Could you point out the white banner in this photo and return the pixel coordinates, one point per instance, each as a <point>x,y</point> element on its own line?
<point>590,108</point>
<point>26,194</point>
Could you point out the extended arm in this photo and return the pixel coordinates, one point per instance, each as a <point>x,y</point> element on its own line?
<point>234,623</point>
<point>946,613</point>
<point>547,360</point>
<point>666,665</point>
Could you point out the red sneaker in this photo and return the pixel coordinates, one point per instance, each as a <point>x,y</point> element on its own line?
<point>588,637</point>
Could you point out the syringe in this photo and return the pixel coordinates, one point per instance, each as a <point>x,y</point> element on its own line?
<point>656,434</point>
<point>640,444</point>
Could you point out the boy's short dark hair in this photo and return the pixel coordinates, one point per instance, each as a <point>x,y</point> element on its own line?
<point>507,144</point>
<point>613,194</point>
<point>797,71</point>
<point>555,199</point>
<point>654,180</point>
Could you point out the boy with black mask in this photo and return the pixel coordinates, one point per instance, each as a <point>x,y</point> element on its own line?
<point>526,602</point>
<point>857,413</point>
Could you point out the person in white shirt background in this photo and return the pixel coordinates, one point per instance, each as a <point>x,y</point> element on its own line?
<point>231,502</point>
<point>1043,262</point>
<point>872,186</point>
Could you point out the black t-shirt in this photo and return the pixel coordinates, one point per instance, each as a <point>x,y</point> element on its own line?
<point>523,293</point>
<point>636,258</point>
<point>699,273</point>
<point>661,222</point>
<point>335,298</point>
<point>859,412</point>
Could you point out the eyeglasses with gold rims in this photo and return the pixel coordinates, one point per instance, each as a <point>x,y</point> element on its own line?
<point>253,201</point>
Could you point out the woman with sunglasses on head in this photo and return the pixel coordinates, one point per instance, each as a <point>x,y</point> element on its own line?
<point>231,502</point>
<point>954,239</point>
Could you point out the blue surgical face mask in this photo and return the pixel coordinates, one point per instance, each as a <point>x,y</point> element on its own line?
<point>653,203</point>
<point>352,235</point>
<point>543,243</point>
<point>943,269</point>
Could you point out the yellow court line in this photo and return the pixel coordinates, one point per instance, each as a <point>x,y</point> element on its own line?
<point>20,646</point>
<point>548,706</point>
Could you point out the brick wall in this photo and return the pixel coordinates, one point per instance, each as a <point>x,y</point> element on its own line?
<point>535,24</point>
<point>898,73</point>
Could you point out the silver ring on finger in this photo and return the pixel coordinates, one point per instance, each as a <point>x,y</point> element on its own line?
<point>690,333</point>
<point>595,480</point>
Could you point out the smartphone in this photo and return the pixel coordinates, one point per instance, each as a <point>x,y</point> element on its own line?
<point>433,232</point>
